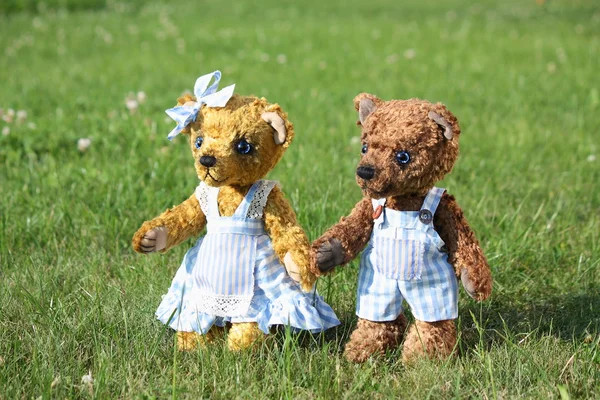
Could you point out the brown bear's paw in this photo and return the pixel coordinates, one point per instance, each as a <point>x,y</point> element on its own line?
<point>326,255</point>
<point>370,338</point>
<point>244,335</point>
<point>429,339</point>
<point>479,284</point>
<point>187,341</point>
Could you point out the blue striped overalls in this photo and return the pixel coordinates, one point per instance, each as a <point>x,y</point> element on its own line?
<point>404,261</point>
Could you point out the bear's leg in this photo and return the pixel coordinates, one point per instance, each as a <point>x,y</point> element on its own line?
<point>372,337</point>
<point>187,341</point>
<point>429,339</point>
<point>243,335</point>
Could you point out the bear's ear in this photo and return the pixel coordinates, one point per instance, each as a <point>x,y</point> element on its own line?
<point>278,124</point>
<point>365,104</point>
<point>186,99</point>
<point>443,123</point>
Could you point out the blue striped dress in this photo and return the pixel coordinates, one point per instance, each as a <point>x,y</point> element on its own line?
<point>233,275</point>
<point>405,260</point>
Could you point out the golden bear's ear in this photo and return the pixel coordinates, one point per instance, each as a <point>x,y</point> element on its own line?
<point>365,104</point>
<point>278,124</point>
<point>186,99</point>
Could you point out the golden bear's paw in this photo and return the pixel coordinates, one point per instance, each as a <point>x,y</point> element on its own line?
<point>149,241</point>
<point>429,339</point>
<point>372,338</point>
<point>187,341</point>
<point>244,335</point>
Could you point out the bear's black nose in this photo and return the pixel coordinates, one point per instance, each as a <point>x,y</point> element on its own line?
<point>365,172</point>
<point>208,161</point>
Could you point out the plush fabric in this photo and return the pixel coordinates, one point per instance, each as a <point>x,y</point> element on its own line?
<point>407,146</point>
<point>214,138</point>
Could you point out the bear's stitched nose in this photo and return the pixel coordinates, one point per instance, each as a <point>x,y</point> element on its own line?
<point>365,172</point>
<point>208,161</point>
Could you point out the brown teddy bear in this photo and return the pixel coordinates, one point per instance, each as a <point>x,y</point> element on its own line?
<point>249,271</point>
<point>418,240</point>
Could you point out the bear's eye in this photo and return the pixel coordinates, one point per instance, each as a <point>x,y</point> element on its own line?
<point>243,147</point>
<point>364,149</point>
<point>198,142</point>
<point>403,157</point>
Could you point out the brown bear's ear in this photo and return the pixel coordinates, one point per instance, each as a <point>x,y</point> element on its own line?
<point>365,104</point>
<point>278,125</point>
<point>443,123</point>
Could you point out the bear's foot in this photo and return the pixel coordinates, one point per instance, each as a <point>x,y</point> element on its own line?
<point>244,335</point>
<point>372,337</point>
<point>429,339</point>
<point>187,341</point>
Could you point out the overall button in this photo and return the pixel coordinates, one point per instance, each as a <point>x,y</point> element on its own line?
<point>425,216</point>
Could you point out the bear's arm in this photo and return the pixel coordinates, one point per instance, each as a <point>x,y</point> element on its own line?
<point>288,237</point>
<point>464,252</point>
<point>352,233</point>
<point>182,222</point>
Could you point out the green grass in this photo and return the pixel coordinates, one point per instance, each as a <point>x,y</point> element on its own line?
<point>522,78</point>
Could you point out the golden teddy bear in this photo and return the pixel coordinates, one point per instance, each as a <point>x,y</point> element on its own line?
<point>251,270</point>
<point>417,239</point>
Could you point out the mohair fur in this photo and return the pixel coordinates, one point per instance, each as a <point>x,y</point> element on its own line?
<point>371,338</point>
<point>221,128</point>
<point>187,341</point>
<point>389,127</point>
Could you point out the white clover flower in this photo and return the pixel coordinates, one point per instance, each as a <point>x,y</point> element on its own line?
<point>409,54</point>
<point>281,59</point>
<point>21,116</point>
<point>9,115</point>
<point>6,131</point>
<point>141,97</point>
<point>591,158</point>
<point>87,379</point>
<point>83,144</point>
<point>131,104</point>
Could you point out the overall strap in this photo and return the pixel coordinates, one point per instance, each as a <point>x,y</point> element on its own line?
<point>258,203</point>
<point>430,204</point>
<point>207,197</point>
<point>242,209</point>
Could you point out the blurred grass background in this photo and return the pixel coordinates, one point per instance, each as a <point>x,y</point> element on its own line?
<point>522,77</point>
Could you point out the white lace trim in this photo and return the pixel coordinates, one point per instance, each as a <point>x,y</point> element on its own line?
<point>255,209</point>
<point>202,196</point>
<point>257,206</point>
<point>224,305</point>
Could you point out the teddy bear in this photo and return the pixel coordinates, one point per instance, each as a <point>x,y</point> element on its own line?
<point>417,239</point>
<point>250,272</point>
